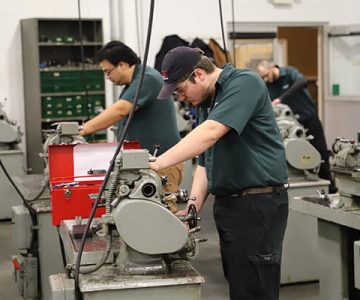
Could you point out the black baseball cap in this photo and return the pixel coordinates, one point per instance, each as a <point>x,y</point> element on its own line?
<point>177,62</point>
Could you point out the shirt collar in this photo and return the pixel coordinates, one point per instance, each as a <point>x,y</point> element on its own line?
<point>136,72</point>
<point>219,85</point>
<point>282,71</point>
<point>225,74</point>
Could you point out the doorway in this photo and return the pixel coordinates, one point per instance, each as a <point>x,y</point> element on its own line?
<point>286,45</point>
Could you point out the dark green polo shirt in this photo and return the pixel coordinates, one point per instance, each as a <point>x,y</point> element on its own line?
<point>155,121</point>
<point>300,103</point>
<point>251,154</point>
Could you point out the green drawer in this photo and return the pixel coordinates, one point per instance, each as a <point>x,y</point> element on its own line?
<point>71,81</point>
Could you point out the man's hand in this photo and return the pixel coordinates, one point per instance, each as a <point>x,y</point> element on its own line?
<point>154,166</point>
<point>183,212</point>
<point>276,101</point>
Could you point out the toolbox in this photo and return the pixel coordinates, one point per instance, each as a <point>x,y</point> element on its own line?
<point>73,188</point>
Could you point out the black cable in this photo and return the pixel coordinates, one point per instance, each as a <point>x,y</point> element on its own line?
<point>233,30</point>
<point>62,248</point>
<point>33,215</point>
<point>222,31</point>
<point>137,26</point>
<point>112,162</point>
<point>25,201</point>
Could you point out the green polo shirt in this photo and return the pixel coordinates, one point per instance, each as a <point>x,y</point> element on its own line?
<point>154,123</point>
<point>251,154</point>
<point>300,103</point>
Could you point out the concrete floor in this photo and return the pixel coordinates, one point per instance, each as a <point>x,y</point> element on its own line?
<point>208,264</point>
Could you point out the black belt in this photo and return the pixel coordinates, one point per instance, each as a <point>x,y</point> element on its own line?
<point>258,190</point>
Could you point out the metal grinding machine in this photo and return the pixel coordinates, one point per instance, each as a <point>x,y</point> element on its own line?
<point>13,160</point>
<point>138,249</point>
<point>303,162</point>
<point>302,157</point>
<point>338,221</point>
<point>33,233</point>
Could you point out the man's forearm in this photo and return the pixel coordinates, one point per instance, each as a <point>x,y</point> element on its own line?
<point>195,143</point>
<point>299,84</point>
<point>102,121</point>
<point>199,190</point>
<point>107,118</point>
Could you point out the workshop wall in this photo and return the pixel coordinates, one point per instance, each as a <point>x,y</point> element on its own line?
<point>187,18</point>
<point>200,18</point>
<point>11,72</point>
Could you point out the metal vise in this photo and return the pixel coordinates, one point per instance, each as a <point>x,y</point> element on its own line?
<point>65,133</point>
<point>302,157</point>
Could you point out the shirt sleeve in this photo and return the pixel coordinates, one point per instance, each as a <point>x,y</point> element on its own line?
<point>299,83</point>
<point>201,160</point>
<point>149,90</point>
<point>237,102</point>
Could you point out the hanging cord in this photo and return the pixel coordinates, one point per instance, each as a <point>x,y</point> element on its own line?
<point>137,26</point>
<point>25,201</point>
<point>82,58</point>
<point>222,31</point>
<point>233,30</point>
<point>33,244</point>
<point>118,148</point>
<point>109,196</point>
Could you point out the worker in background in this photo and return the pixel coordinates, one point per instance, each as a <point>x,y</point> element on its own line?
<point>241,160</point>
<point>287,85</point>
<point>154,122</point>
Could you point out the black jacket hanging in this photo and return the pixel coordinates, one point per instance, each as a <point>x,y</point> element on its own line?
<point>169,42</point>
<point>199,43</point>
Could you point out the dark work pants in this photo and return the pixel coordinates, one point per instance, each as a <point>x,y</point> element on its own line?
<point>251,230</point>
<point>316,130</point>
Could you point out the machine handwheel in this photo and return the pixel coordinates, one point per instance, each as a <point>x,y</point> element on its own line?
<point>192,214</point>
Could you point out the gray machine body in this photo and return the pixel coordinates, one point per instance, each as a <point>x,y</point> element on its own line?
<point>302,158</point>
<point>25,275</point>
<point>146,256</point>
<point>13,160</point>
<point>303,162</point>
<point>48,258</point>
<point>157,233</point>
<point>338,217</point>
<point>10,134</point>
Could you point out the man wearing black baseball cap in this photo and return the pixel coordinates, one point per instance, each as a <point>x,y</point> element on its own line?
<point>241,160</point>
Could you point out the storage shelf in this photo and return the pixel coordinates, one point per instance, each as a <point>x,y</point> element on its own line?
<point>61,69</point>
<point>55,46</point>
<point>73,94</point>
<point>86,44</point>
<point>65,119</point>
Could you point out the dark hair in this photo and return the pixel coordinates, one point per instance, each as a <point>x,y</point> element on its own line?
<point>204,63</point>
<point>115,52</point>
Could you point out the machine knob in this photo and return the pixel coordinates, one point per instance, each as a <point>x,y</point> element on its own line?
<point>182,196</point>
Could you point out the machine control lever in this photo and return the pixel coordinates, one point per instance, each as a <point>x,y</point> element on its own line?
<point>157,147</point>
<point>195,229</point>
<point>96,172</point>
<point>152,158</point>
<point>201,239</point>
